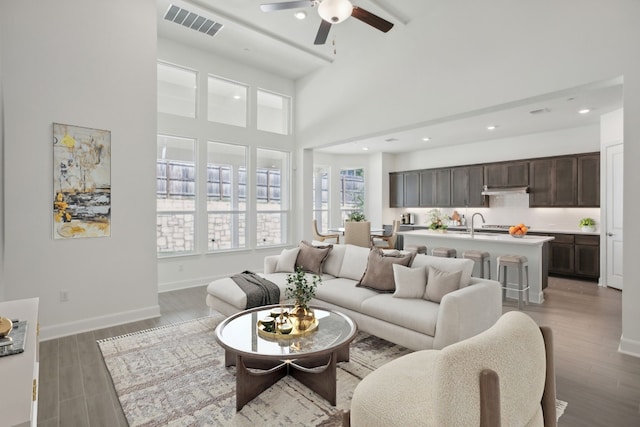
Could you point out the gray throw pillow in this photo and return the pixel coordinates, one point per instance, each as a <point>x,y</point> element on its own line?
<point>311,258</point>
<point>440,283</point>
<point>379,273</point>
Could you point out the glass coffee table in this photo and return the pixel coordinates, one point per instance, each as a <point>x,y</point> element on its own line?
<point>262,360</point>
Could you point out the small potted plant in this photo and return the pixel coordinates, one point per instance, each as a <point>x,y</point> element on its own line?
<point>438,220</point>
<point>587,225</point>
<point>302,290</point>
<point>357,216</point>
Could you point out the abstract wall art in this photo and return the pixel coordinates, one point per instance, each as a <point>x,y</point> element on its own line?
<point>81,182</point>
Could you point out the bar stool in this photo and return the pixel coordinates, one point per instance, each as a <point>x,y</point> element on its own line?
<point>522,264</point>
<point>444,252</point>
<point>482,258</point>
<point>419,249</point>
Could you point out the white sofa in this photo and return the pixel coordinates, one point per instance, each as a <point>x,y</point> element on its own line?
<point>415,323</point>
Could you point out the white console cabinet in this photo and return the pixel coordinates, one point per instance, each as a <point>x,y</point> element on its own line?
<point>19,372</point>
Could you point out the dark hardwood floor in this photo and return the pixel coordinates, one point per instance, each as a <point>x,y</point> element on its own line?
<point>601,385</point>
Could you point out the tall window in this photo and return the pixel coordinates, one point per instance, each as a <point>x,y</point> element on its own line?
<point>226,196</point>
<point>175,195</point>
<point>274,112</point>
<point>177,88</point>
<point>321,198</point>
<point>351,191</point>
<point>227,102</point>
<point>272,196</point>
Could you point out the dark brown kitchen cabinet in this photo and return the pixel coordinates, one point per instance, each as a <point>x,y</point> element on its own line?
<point>589,180</point>
<point>427,188</point>
<point>507,174</point>
<point>587,256</point>
<point>396,190</point>
<point>466,186</point>
<point>553,182</point>
<point>411,189</point>
<point>443,187</point>
<point>561,254</point>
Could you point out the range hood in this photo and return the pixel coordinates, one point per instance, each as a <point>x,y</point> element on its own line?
<point>500,191</point>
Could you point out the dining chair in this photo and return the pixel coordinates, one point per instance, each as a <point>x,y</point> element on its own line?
<point>387,241</point>
<point>322,237</point>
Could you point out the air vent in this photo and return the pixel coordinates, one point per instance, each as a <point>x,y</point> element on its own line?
<point>192,20</point>
<point>539,111</point>
<point>391,140</point>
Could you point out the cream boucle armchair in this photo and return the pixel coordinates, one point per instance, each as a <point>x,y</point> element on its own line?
<point>503,376</point>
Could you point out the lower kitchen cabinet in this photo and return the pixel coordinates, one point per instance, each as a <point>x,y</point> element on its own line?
<point>574,255</point>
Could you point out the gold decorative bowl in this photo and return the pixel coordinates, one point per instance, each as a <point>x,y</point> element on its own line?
<point>6,325</point>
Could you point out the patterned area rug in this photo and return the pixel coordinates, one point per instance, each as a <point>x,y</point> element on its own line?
<point>175,375</point>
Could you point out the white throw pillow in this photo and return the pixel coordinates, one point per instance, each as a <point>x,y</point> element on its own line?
<point>410,282</point>
<point>448,265</point>
<point>287,261</point>
<point>333,263</point>
<point>440,283</point>
<point>354,262</point>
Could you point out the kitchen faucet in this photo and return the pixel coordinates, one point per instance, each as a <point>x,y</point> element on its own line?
<point>474,217</point>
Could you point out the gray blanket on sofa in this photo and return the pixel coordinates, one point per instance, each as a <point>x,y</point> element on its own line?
<point>259,290</point>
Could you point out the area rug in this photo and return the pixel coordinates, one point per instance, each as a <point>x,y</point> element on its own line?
<point>175,375</point>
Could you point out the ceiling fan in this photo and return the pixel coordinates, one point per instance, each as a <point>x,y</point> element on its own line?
<point>332,12</point>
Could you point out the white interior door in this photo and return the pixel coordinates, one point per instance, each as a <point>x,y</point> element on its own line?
<point>614,234</point>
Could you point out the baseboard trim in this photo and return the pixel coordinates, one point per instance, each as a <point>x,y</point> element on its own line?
<point>629,347</point>
<point>185,284</point>
<point>98,322</point>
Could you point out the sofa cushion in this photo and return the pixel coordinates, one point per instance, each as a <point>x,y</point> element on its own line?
<point>440,283</point>
<point>344,293</point>
<point>311,258</point>
<point>416,314</point>
<point>333,263</point>
<point>354,262</point>
<point>410,282</point>
<point>447,265</point>
<point>287,260</point>
<point>379,273</point>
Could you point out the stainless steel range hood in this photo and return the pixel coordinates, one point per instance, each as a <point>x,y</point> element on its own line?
<point>500,191</point>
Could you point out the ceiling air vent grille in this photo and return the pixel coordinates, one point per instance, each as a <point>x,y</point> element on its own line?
<point>192,20</point>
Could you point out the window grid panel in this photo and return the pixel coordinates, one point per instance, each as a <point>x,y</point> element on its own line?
<point>175,232</point>
<point>226,230</point>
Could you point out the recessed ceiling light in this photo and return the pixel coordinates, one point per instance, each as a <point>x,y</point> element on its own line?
<point>236,96</point>
<point>492,127</point>
<point>584,111</point>
<point>365,148</point>
<point>300,14</point>
<point>426,138</point>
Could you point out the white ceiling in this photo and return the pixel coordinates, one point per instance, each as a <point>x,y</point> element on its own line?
<point>279,43</point>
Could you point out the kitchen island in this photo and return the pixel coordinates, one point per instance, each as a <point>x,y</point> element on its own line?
<point>533,247</point>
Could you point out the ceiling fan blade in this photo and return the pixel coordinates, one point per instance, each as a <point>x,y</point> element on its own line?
<point>371,19</point>
<point>271,7</point>
<point>323,32</point>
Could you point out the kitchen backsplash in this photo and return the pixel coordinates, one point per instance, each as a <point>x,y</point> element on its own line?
<point>514,209</point>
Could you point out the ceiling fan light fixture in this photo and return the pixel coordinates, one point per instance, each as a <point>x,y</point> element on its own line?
<point>335,11</point>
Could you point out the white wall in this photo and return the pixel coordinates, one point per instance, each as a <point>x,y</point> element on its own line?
<point>1,179</point>
<point>84,63</point>
<point>465,56</point>
<point>198,269</point>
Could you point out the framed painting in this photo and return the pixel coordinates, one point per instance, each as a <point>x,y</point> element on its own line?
<point>81,182</point>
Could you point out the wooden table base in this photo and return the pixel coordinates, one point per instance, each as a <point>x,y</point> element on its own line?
<point>318,374</point>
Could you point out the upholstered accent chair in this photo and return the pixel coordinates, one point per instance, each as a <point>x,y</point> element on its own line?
<point>357,233</point>
<point>387,241</point>
<point>331,238</point>
<point>503,376</point>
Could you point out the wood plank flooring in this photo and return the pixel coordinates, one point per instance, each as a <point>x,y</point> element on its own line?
<point>601,385</point>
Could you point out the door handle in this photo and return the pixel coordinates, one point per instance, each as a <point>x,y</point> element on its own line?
<point>609,234</point>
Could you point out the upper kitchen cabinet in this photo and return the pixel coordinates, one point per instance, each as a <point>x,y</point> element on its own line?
<point>396,190</point>
<point>411,189</point>
<point>443,187</point>
<point>507,174</point>
<point>566,181</point>
<point>553,182</point>
<point>589,180</point>
<point>427,188</point>
<point>466,187</point>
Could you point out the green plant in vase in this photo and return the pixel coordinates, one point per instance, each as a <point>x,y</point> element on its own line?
<point>357,216</point>
<point>587,224</point>
<point>438,220</point>
<point>301,290</point>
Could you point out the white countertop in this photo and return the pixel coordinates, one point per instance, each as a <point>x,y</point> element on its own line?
<point>532,229</point>
<point>480,236</point>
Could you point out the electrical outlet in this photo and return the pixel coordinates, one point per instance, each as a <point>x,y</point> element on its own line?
<point>64,295</point>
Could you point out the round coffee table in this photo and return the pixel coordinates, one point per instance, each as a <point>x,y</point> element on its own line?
<point>311,359</point>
